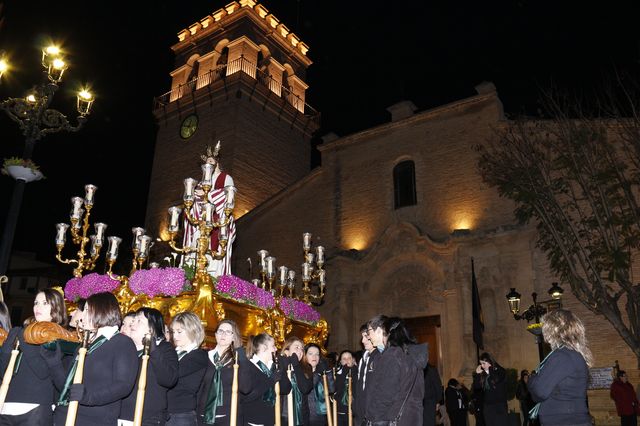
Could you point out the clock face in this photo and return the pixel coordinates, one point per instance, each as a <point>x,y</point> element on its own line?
<point>189,126</point>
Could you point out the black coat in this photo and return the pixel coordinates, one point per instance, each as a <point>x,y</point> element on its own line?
<point>310,406</point>
<point>305,385</point>
<point>393,377</point>
<point>109,376</point>
<point>495,390</point>
<point>456,404</point>
<point>191,368</point>
<point>561,388</point>
<point>341,389</point>
<point>162,374</point>
<point>255,409</point>
<point>361,387</point>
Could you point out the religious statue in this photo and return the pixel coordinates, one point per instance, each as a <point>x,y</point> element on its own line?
<point>222,189</point>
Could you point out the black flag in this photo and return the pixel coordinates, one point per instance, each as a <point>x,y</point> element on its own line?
<point>478,323</point>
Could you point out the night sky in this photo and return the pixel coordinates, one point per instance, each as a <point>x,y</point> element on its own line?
<point>367,56</point>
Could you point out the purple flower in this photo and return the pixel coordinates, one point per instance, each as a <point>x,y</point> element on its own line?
<point>83,287</point>
<point>238,289</point>
<point>298,310</point>
<point>157,281</point>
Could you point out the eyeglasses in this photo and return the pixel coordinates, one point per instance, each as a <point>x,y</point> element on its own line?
<point>221,332</point>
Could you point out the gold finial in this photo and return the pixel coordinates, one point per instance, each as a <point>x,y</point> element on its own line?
<point>58,289</point>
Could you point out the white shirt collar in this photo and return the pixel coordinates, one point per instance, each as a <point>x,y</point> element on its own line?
<point>107,331</point>
<point>255,359</point>
<point>188,348</point>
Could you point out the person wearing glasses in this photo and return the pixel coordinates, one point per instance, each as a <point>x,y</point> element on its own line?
<point>214,395</point>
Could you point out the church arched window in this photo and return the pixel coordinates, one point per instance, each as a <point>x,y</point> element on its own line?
<point>404,184</point>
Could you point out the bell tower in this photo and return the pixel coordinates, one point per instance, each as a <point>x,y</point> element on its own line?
<point>239,78</point>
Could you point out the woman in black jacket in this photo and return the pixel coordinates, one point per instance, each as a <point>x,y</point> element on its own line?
<point>188,335</point>
<point>559,383</point>
<point>314,408</point>
<point>32,382</point>
<point>109,369</point>
<point>214,396</point>
<point>301,383</point>
<point>162,370</point>
<point>524,396</point>
<point>490,379</point>
<point>395,380</point>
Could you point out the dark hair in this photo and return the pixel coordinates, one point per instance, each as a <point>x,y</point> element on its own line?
<point>523,373</point>
<point>398,334</point>
<point>254,343</point>
<point>103,310</point>
<point>155,321</point>
<point>306,367</point>
<point>486,357</point>
<point>346,351</point>
<point>81,304</point>
<point>620,373</point>
<point>129,314</point>
<point>376,322</point>
<point>453,382</point>
<point>5,318</point>
<point>363,328</point>
<point>56,301</point>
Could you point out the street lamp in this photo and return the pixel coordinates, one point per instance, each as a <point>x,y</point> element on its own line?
<point>36,120</point>
<point>535,311</point>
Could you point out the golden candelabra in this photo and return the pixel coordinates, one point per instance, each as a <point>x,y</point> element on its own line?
<point>203,218</point>
<point>312,273</point>
<point>79,227</point>
<point>140,248</point>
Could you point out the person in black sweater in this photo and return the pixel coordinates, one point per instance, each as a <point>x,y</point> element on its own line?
<point>490,379</point>
<point>258,405</point>
<point>162,370</point>
<point>315,408</point>
<point>32,381</point>
<point>214,395</point>
<point>456,403</point>
<point>109,368</point>
<point>370,352</point>
<point>301,382</point>
<point>188,335</point>
<point>347,368</point>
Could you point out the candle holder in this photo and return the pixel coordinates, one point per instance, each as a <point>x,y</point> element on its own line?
<point>79,217</point>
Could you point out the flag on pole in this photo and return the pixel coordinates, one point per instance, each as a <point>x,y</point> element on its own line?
<point>478,322</point>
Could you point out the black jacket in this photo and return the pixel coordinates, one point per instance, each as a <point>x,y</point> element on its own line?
<point>341,390</point>
<point>162,374</point>
<point>255,409</point>
<point>305,385</point>
<point>561,388</point>
<point>492,385</point>
<point>361,388</point>
<point>191,368</point>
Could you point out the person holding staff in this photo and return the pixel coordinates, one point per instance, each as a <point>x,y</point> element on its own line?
<point>214,395</point>
<point>188,335</point>
<point>109,369</point>
<point>314,406</point>
<point>31,392</point>
<point>162,371</point>
<point>301,383</point>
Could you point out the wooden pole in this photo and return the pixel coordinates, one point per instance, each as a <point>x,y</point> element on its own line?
<point>77,378</point>
<point>291,418</point>
<point>233,414</point>
<point>142,382</point>
<point>326,398</point>
<point>350,394</point>
<point>8,374</point>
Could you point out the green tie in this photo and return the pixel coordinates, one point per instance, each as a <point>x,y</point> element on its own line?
<point>214,398</point>
<point>64,395</point>
<point>297,400</point>
<point>183,353</point>
<point>270,395</point>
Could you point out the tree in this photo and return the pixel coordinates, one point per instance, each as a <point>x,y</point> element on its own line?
<point>578,177</point>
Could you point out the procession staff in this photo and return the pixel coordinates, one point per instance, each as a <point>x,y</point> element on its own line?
<point>142,381</point>
<point>348,368</point>
<point>315,406</point>
<point>109,370</point>
<point>31,392</point>
<point>301,383</point>
<point>188,335</point>
<point>162,373</point>
<point>214,396</point>
<point>259,405</point>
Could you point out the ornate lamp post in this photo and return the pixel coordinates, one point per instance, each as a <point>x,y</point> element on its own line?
<point>36,120</point>
<point>535,311</point>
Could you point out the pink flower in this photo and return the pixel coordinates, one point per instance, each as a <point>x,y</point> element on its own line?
<point>243,291</point>
<point>157,281</point>
<point>298,310</point>
<point>83,287</point>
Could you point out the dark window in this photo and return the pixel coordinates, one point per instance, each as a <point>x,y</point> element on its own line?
<point>404,184</point>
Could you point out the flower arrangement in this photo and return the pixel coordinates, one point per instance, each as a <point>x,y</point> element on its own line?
<point>34,169</point>
<point>243,291</point>
<point>535,328</point>
<point>83,287</point>
<point>158,281</point>
<point>298,310</point>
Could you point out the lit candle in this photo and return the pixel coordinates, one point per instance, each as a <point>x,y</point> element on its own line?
<point>306,241</point>
<point>114,242</point>
<point>145,241</point>
<point>61,233</point>
<point>137,233</point>
<point>271,266</point>
<point>321,277</point>
<point>174,215</point>
<point>90,191</point>
<point>100,228</point>
<point>320,256</point>
<point>224,233</point>
<point>310,257</point>
<point>94,249</point>
<point>283,275</point>
<point>262,254</point>
<point>209,210</point>
<point>207,173</point>
<point>76,207</point>
<point>189,186</point>
<point>306,272</point>
<point>230,193</point>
